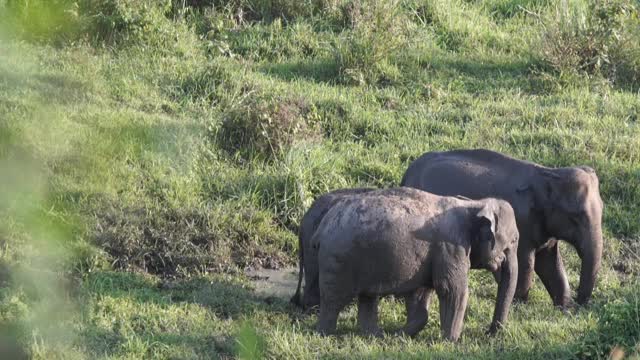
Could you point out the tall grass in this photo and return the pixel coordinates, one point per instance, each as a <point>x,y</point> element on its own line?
<point>600,39</point>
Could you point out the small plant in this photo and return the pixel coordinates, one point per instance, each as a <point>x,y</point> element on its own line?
<point>365,52</point>
<point>602,41</point>
<point>267,126</point>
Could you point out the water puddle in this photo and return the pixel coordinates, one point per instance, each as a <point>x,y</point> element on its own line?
<point>274,283</point>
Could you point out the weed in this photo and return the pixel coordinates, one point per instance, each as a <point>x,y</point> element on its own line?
<point>365,53</point>
<point>602,41</point>
<point>266,127</point>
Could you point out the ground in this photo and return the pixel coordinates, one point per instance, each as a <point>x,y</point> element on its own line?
<point>153,152</point>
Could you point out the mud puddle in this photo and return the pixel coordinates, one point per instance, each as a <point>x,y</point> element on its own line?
<point>279,283</point>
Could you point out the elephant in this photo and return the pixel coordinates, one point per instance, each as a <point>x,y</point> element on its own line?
<point>407,242</point>
<point>308,258</point>
<point>549,203</point>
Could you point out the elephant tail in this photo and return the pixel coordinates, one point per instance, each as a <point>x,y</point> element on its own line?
<point>296,298</point>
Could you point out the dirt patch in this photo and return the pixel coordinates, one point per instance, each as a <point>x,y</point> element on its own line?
<point>174,242</point>
<point>274,283</point>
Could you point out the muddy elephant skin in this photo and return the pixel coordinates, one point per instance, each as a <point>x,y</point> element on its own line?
<point>398,241</point>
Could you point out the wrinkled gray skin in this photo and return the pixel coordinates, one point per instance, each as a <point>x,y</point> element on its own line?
<point>416,303</point>
<point>549,204</point>
<point>308,256</point>
<point>409,243</point>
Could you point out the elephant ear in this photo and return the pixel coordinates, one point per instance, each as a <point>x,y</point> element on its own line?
<point>540,193</point>
<point>487,222</point>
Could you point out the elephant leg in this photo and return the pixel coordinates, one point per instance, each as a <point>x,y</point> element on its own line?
<point>550,269</point>
<point>328,318</point>
<point>453,304</point>
<point>334,296</point>
<point>368,315</point>
<point>311,295</point>
<point>497,275</point>
<point>526,261</point>
<point>417,305</point>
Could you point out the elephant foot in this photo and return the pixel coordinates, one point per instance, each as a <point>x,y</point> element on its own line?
<point>324,330</point>
<point>313,310</point>
<point>563,303</point>
<point>582,301</point>
<point>494,328</point>
<point>521,298</point>
<point>405,332</point>
<point>327,320</point>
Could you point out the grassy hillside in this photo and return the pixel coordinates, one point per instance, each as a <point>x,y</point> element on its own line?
<point>151,151</point>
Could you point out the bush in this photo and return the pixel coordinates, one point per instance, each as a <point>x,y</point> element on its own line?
<point>605,41</point>
<point>364,53</point>
<point>266,126</point>
<point>126,20</point>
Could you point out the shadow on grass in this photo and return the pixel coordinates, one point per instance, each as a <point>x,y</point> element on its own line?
<point>617,329</point>
<point>318,71</point>
<point>617,323</point>
<point>152,321</point>
<point>51,88</point>
<point>460,73</point>
<point>478,76</point>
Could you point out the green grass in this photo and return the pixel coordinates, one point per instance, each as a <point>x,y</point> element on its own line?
<point>127,214</point>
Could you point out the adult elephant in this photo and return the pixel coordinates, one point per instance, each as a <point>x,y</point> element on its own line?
<point>549,204</point>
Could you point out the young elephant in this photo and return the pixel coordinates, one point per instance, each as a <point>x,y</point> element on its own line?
<point>397,241</point>
<point>416,303</point>
<point>550,204</point>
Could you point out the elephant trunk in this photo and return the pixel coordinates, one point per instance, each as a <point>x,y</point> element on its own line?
<point>506,290</point>
<point>590,252</point>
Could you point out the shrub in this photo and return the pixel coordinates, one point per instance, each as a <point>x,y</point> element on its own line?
<point>365,52</point>
<point>121,20</point>
<point>604,41</point>
<point>266,126</point>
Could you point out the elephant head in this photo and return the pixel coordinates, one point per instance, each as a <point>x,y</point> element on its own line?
<point>571,207</point>
<point>494,247</point>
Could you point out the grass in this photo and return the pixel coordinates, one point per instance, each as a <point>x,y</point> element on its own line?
<point>127,216</point>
